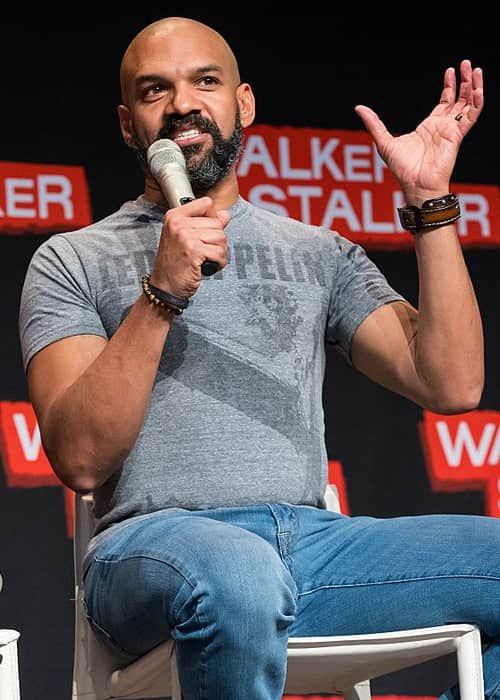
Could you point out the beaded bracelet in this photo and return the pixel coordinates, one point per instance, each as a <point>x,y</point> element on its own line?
<point>163,299</point>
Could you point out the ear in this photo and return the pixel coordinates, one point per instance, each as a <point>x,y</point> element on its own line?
<point>126,124</point>
<point>246,103</point>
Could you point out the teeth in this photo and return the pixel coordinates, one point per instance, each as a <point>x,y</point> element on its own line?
<point>187,134</point>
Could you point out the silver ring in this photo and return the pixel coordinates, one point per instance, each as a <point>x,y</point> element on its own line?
<point>458,117</point>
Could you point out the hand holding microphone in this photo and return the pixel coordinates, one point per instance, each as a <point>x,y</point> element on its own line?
<point>168,167</point>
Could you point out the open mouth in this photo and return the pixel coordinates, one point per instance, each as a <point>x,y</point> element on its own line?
<point>188,137</point>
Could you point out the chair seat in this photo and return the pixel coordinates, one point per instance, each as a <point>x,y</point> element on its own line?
<point>331,664</point>
<point>315,664</point>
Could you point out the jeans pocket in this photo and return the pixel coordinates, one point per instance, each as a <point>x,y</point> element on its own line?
<point>122,656</point>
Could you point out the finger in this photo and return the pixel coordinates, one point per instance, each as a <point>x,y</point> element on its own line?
<point>470,104</point>
<point>215,253</point>
<point>465,92</point>
<point>477,89</point>
<point>375,126</point>
<point>213,236</point>
<point>224,216</point>
<point>199,224</point>
<point>197,207</point>
<point>447,98</point>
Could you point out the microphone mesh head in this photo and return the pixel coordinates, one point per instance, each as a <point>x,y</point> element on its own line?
<point>164,152</point>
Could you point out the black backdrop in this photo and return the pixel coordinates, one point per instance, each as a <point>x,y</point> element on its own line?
<point>59,93</point>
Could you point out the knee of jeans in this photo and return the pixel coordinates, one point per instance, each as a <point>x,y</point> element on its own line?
<point>250,583</point>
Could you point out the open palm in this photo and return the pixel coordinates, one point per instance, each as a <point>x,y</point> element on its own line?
<point>422,161</point>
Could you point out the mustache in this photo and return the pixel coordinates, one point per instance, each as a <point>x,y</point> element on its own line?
<point>190,121</point>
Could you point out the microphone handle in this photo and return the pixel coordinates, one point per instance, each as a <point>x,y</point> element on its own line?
<point>208,267</point>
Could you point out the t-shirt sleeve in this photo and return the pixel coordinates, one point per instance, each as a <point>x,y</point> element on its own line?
<point>359,287</point>
<point>56,299</point>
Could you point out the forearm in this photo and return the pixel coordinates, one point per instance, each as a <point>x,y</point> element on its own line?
<point>449,343</point>
<point>91,428</point>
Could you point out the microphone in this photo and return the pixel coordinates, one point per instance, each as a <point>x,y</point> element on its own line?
<point>168,167</point>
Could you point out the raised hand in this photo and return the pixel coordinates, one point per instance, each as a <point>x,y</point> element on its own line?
<point>423,160</point>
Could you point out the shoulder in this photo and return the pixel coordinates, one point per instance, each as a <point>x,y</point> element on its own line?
<point>295,230</point>
<point>98,237</point>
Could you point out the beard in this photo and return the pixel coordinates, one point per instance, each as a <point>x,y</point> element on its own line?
<point>204,170</point>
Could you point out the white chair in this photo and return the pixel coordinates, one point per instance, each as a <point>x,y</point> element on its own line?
<point>9,665</point>
<point>341,664</point>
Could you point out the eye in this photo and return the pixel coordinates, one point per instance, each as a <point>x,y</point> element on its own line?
<point>151,91</point>
<point>208,81</point>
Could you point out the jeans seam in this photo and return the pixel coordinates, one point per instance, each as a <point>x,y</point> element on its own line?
<point>187,580</point>
<point>111,640</point>
<point>283,538</point>
<point>495,690</point>
<point>203,654</point>
<point>146,556</point>
<point>401,580</point>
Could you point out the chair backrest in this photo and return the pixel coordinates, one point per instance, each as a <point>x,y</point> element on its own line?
<point>92,661</point>
<point>332,498</point>
<point>84,524</point>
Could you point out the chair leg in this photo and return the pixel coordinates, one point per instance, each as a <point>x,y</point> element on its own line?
<point>9,666</point>
<point>361,691</point>
<point>469,662</point>
<point>176,686</point>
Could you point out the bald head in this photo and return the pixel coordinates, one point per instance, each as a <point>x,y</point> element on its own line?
<point>159,40</point>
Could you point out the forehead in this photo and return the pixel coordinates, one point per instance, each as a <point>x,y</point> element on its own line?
<point>176,53</point>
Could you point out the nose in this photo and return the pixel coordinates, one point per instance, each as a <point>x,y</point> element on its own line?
<point>184,99</point>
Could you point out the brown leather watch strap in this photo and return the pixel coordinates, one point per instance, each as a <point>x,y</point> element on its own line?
<point>433,212</point>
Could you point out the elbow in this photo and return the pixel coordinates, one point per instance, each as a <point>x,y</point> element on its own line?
<point>76,476</point>
<point>455,403</point>
<point>79,471</point>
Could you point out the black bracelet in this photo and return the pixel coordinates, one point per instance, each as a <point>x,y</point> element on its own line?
<point>162,298</point>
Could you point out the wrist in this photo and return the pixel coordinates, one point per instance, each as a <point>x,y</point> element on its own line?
<point>159,311</point>
<point>161,283</point>
<point>415,197</point>
<point>162,298</point>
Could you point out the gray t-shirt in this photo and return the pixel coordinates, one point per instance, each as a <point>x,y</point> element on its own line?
<point>236,413</point>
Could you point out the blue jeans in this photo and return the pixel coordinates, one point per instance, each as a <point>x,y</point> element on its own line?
<point>230,585</point>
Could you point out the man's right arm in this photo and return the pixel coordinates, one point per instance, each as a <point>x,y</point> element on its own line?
<point>90,395</point>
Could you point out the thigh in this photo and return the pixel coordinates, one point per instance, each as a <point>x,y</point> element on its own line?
<point>147,577</point>
<point>361,574</point>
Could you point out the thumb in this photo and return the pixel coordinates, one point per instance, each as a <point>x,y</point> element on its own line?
<point>374,125</point>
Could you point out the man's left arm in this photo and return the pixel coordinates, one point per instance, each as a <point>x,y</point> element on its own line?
<point>433,356</point>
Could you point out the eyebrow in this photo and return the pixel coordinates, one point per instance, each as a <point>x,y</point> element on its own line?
<point>157,77</point>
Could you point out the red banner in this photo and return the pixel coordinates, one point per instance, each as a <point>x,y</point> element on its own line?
<point>335,178</point>
<point>39,198</point>
<point>463,452</point>
<point>25,463</point>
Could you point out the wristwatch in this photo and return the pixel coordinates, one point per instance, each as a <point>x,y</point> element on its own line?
<point>433,212</point>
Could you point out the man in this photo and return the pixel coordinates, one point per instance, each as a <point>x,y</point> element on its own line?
<point>201,433</point>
